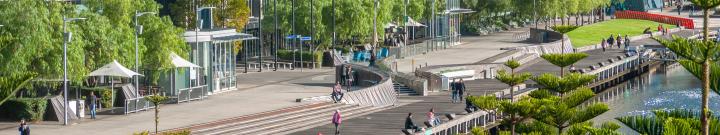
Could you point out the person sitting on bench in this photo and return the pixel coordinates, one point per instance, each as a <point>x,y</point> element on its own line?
<point>337,94</point>
<point>432,119</point>
<point>410,125</point>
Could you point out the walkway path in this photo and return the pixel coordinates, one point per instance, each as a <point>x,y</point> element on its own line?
<point>258,92</point>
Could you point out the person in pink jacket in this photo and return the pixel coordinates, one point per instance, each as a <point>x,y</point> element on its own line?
<point>337,120</point>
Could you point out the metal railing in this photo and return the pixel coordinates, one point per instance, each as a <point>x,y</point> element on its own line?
<point>192,93</point>
<point>463,124</point>
<point>137,104</point>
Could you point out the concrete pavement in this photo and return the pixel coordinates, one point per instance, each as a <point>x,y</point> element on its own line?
<point>258,92</point>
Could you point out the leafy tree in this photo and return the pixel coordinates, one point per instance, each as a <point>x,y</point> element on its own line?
<point>564,60</point>
<point>9,85</point>
<point>156,99</point>
<point>698,57</point>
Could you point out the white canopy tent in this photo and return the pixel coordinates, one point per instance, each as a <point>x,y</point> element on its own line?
<point>114,69</point>
<point>390,25</point>
<point>413,23</point>
<point>179,62</point>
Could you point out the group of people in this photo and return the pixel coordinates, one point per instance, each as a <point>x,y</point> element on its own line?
<point>618,41</point>
<point>347,77</point>
<point>457,88</point>
<point>432,119</point>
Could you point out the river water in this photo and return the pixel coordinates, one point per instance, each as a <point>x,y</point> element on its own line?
<point>665,87</point>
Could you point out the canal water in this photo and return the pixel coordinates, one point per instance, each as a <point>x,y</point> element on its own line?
<point>664,87</point>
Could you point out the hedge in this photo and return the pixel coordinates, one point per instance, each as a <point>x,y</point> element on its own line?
<point>307,56</point>
<point>32,109</point>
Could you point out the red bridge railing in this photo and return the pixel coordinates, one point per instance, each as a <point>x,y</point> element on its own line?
<point>685,22</point>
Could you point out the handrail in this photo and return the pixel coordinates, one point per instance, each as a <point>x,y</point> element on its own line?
<point>462,124</point>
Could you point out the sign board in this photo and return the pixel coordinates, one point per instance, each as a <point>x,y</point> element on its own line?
<point>292,36</point>
<point>305,38</point>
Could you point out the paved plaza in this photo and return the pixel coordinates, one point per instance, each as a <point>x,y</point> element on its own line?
<point>258,92</point>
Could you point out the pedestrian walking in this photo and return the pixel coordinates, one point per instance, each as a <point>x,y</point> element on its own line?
<point>619,41</point>
<point>24,128</point>
<point>93,105</point>
<point>611,41</point>
<point>337,120</point>
<point>337,94</point>
<point>453,90</point>
<point>460,88</point>
<point>349,79</point>
<point>627,41</point>
<point>603,43</point>
<point>410,125</point>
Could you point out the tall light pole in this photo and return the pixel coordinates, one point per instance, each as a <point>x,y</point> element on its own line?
<point>375,38</point>
<point>68,37</point>
<point>407,18</point>
<point>293,32</point>
<point>138,31</point>
<point>276,35</point>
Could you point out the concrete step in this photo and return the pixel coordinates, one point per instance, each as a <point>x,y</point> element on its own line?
<point>300,121</point>
<point>275,118</point>
<point>217,125</point>
<point>318,122</point>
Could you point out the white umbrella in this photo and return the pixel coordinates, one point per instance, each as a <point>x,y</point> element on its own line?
<point>114,69</point>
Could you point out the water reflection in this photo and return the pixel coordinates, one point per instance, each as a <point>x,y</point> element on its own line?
<point>662,88</point>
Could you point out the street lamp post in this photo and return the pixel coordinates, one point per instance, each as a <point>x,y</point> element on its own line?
<point>67,36</point>
<point>276,35</point>
<point>138,31</point>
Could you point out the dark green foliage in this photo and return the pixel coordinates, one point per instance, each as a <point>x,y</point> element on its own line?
<point>534,127</point>
<point>540,94</point>
<point>307,56</point>
<point>564,28</point>
<point>32,109</point>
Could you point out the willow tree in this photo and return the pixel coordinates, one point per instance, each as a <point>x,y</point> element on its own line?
<point>698,57</point>
<point>564,60</point>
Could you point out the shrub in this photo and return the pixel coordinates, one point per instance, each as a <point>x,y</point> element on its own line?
<point>177,132</point>
<point>32,109</point>
<point>104,95</point>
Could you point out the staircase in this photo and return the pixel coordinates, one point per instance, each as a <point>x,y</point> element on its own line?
<point>403,90</point>
<point>58,107</point>
<point>284,121</point>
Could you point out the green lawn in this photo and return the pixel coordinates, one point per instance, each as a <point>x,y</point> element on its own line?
<point>592,34</point>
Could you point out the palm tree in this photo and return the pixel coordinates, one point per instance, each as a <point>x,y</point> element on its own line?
<point>9,85</point>
<point>670,122</point>
<point>512,79</point>
<point>564,60</point>
<point>563,29</point>
<point>697,57</point>
<point>156,99</point>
